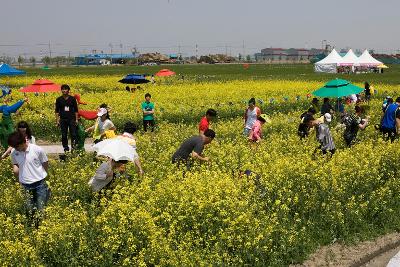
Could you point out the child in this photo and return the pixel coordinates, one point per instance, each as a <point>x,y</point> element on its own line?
<point>256,131</point>
<point>205,121</point>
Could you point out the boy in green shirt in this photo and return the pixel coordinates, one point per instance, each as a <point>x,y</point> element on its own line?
<point>148,113</point>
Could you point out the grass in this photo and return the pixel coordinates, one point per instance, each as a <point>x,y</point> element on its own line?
<point>224,72</point>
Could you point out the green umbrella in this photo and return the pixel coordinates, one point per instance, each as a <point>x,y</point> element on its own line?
<point>337,88</point>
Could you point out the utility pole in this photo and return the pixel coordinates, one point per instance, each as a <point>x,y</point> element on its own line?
<point>111,47</point>
<point>197,51</point>
<point>49,50</point>
<point>243,51</point>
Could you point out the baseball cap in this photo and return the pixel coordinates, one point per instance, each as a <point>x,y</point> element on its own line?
<point>102,111</point>
<point>328,117</point>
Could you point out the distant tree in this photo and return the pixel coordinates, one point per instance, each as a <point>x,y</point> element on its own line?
<point>71,60</point>
<point>33,61</point>
<point>6,59</point>
<point>248,58</point>
<point>46,60</point>
<point>240,57</point>
<point>20,60</point>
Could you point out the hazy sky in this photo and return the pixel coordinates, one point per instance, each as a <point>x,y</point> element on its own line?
<point>216,26</point>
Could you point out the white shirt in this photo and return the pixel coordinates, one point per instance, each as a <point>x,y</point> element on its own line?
<point>251,116</point>
<point>104,125</point>
<point>100,178</point>
<point>30,163</point>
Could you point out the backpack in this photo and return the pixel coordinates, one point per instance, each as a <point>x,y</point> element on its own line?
<point>347,120</point>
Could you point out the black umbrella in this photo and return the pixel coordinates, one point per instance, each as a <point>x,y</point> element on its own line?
<point>134,79</point>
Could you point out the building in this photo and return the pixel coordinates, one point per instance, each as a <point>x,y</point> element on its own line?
<point>273,54</point>
<point>287,55</point>
<point>102,59</point>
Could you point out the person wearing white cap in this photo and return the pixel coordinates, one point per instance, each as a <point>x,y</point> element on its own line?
<point>102,125</point>
<point>323,134</point>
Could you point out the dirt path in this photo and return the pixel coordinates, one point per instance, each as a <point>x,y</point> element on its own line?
<point>376,253</point>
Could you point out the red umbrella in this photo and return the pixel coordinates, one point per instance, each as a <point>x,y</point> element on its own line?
<point>165,72</point>
<point>88,114</point>
<point>41,86</point>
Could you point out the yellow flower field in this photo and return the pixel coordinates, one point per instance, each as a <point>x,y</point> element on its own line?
<point>211,215</point>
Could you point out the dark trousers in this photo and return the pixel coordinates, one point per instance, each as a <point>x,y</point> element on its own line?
<point>149,123</point>
<point>389,133</point>
<point>349,139</point>
<point>65,125</point>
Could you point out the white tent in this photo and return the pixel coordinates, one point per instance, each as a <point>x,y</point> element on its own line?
<point>329,63</point>
<point>367,60</point>
<point>349,59</point>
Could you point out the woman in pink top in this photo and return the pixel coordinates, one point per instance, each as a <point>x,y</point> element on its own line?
<point>256,131</point>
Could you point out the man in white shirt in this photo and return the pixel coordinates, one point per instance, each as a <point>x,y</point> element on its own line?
<point>30,165</point>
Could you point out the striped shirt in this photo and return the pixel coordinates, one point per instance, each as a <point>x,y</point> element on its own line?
<point>324,137</point>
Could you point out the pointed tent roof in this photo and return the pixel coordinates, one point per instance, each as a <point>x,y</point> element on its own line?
<point>6,70</point>
<point>350,58</point>
<point>332,58</point>
<point>367,60</point>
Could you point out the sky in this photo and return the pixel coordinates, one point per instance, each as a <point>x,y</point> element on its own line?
<point>176,26</point>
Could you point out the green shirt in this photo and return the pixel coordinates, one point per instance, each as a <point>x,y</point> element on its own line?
<point>148,106</point>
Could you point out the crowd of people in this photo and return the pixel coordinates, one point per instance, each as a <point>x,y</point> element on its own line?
<point>30,163</point>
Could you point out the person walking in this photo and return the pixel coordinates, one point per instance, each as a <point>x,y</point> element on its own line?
<point>24,129</point>
<point>250,116</point>
<point>192,148</point>
<point>148,113</point>
<point>30,165</point>
<point>102,126</point>
<point>391,120</point>
<point>7,124</point>
<point>204,124</point>
<point>323,134</point>
<point>67,116</point>
<point>353,123</point>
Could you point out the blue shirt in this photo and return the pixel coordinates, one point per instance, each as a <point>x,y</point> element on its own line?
<point>7,110</point>
<point>389,119</point>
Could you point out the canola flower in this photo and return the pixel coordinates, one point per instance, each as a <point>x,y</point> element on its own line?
<point>211,215</point>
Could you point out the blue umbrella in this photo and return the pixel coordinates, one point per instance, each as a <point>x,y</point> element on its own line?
<point>6,70</point>
<point>134,79</point>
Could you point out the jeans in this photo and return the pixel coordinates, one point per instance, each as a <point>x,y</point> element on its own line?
<point>66,124</point>
<point>37,195</point>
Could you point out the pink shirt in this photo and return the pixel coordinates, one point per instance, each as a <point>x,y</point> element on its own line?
<point>256,131</point>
